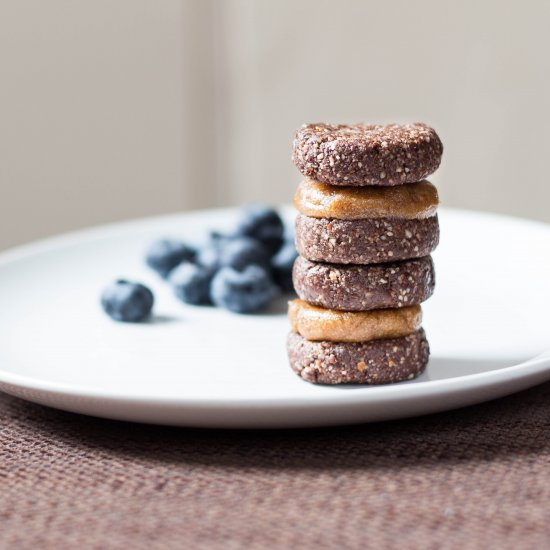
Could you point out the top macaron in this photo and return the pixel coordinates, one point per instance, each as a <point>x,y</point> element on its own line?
<point>367,154</point>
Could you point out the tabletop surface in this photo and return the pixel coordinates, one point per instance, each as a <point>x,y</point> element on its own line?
<point>472,478</point>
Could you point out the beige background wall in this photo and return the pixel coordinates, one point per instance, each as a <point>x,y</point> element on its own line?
<point>111,109</point>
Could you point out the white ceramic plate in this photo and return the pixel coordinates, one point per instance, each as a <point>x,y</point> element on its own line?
<point>199,366</point>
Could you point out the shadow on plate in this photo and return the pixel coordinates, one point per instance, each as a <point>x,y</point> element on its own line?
<point>162,320</point>
<point>443,368</point>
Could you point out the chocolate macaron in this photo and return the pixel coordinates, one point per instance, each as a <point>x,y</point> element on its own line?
<point>364,287</point>
<point>373,362</point>
<point>367,154</point>
<point>366,241</point>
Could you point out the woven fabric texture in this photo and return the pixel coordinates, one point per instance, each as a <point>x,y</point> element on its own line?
<point>473,478</point>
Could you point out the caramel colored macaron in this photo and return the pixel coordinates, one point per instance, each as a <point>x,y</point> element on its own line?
<point>364,287</point>
<point>411,201</point>
<point>367,241</point>
<point>319,323</point>
<point>375,362</point>
<point>367,154</point>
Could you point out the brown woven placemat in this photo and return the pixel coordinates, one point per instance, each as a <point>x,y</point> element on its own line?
<point>474,478</point>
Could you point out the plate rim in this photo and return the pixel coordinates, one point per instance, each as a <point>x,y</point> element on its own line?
<point>486,379</point>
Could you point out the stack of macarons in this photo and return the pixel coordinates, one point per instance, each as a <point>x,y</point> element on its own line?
<point>365,229</point>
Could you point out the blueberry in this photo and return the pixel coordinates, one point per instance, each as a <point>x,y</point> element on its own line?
<point>191,283</point>
<point>242,291</point>
<point>127,301</point>
<point>209,257</point>
<point>165,254</point>
<point>243,251</point>
<point>263,224</point>
<point>236,252</point>
<point>281,266</point>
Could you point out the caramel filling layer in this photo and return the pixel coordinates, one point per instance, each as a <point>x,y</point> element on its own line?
<point>317,323</point>
<point>410,201</point>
